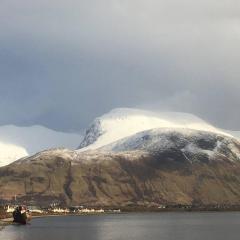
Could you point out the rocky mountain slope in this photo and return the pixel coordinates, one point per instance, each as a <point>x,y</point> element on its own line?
<point>149,168</point>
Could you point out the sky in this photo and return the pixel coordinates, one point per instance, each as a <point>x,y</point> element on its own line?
<point>63,63</point>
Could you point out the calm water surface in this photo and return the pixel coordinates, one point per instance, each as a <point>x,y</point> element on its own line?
<point>137,226</point>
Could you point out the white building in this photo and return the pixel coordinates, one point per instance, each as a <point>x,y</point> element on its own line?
<point>10,209</point>
<point>61,210</point>
<point>86,210</point>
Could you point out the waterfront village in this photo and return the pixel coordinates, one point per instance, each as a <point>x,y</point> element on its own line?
<point>57,210</point>
<point>6,210</point>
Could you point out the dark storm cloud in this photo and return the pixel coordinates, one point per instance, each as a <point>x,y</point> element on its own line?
<point>62,63</point>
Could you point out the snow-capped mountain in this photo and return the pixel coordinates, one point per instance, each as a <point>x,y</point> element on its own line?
<point>134,157</point>
<point>158,166</point>
<point>124,122</point>
<point>17,142</point>
<point>180,144</point>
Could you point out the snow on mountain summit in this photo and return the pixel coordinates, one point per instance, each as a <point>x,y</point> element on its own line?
<point>184,143</point>
<point>123,122</point>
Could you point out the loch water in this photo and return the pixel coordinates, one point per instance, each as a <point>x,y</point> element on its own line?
<point>130,226</point>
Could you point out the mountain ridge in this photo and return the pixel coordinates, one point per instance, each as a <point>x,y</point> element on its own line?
<point>124,122</point>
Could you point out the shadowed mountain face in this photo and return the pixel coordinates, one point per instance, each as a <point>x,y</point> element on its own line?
<point>153,167</point>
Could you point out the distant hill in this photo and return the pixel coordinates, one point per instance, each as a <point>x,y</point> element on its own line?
<point>17,142</point>
<point>10,153</point>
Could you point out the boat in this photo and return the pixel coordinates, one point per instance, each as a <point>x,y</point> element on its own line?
<point>21,215</point>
